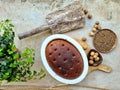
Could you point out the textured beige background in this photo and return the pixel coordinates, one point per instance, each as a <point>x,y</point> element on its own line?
<point>28,14</point>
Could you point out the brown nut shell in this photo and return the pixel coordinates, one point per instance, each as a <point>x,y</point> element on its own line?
<point>89,16</point>
<point>97,22</point>
<point>85,11</point>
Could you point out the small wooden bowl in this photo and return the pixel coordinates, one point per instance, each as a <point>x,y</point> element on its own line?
<point>96,63</point>
<point>105,40</point>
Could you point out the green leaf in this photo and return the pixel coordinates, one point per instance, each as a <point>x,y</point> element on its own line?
<point>23,54</point>
<point>29,72</point>
<point>4,63</point>
<point>9,70</point>
<point>6,67</point>
<point>9,52</point>
<point>11,25</point>
<point>29,60</point>
<point>42,76</point>
<point>41,71</point>
<point>9,58</point>
<point>7,21</point>
<point>6,40</point>
<point>28,50</point>
<point>16,63</point>
<point>1,49</point>
<point>1,54</point>
<point>21,63</point>
<point>13,79</point>
<point>12,65</point>
<point>3,46</point>
<point>16,56</point>
<point>6,75</point>
<point>34,73</point>
<point>1,39</point>
<point>0,81</point>
<point>13,48</point>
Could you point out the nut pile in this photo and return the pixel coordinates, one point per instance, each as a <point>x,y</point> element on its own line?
<point>94,58</point>
<point>96,25</point>
<point>95,28</point>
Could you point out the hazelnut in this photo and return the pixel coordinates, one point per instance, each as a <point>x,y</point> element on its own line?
<point>99,28</point>
<point>85,46</point>
<point>92,53</point>
<point>97,59</point>
<point>84,39</point>
<point>95,56</point>
<point>85,11</point>
<point>94,29</point>
<point>96,26</point>
<point>97,22</point>
<point>91,58</point>
<point>91,34</point>
<point>91,62</point>
<point>89,16</point>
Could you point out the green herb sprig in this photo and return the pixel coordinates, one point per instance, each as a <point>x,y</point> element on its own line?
<point>15,65</point>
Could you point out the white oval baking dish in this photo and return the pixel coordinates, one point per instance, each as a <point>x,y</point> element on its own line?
<point>49,69</point>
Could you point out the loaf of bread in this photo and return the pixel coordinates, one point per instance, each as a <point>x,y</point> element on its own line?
<point>64,59</point>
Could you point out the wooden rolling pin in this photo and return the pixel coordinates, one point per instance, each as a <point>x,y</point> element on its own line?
<point>69,18</point>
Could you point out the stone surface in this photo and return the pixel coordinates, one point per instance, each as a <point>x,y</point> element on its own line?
<point>28,14</point>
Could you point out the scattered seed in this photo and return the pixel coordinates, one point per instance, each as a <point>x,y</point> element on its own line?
<point>89,16</point>
<point>91,34</point>
<point>96,26</point>
<point>85,47</point>
<point>99,28</point>
<point>97,22</point>
<point>84,39</point>
<point>94,29</point>
<point>85,11</point>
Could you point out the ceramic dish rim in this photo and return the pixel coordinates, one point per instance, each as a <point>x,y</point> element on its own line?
<point>49,69</point>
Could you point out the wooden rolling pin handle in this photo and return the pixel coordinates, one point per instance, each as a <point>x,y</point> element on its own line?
<point>100,67</point>
<point>104,68</point>
<point>33,31</point>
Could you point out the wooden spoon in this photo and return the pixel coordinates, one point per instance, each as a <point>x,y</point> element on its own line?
<point>100,67</point>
